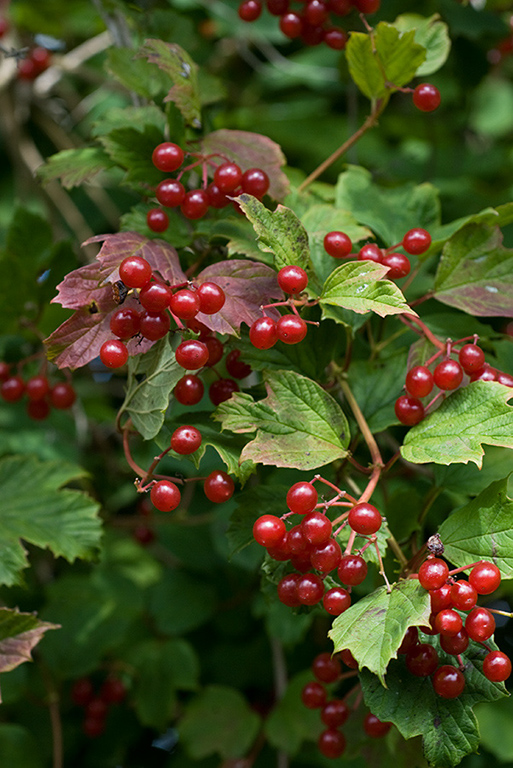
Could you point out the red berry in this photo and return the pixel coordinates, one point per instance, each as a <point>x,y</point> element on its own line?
<point>485,577</point>
<point>185,440</point>
<point>217,199</point>
<point>336,600</point>
<point>448,374</point>
<point>505,378</point>
<point>370,252</point>
<point>398,264</point>
<point>455,644</point>
<point>471,358</point>
<point>236,367</point>
<point>143,535</point>
<point>463,595</point>
<point>185,304</point>
<point>448,682</point>
<point>167,157</point>
<point>440,598</point>
<point>419,381</point>
<point>191,354</point>
<point>313,695</point>
<point>336,38</point>
<point>154,297</point>
<point>486,373</point>
<point>170,193</point>
<point>277,7</point>
<point>38,409</point>
<point>5,371</point>
<point>263,334</point>
<point>268,530</point>
<point>326,668</point>
<point>154,325</point>
<point>348,659</point>
<point>410,640</point>
<point>255,182</point>
<point>334,713</point>
<point>292,279</point>
<point>496,666</point>
<point>448,622</point>
<point>222,390</point>
<point>340,8</point>
<point>409,410</point>
<point>62,395</point>
<point>302,498</point>
<point>218,486</point>
<point>337,244</point>
<point>135,272</point>
<point>113,690</point>
<point>215,352</point>
<point>316,528</point>
<point>426,97</point>
<point>287,590</point>
<point>422,660</point>
<point>352,570</point>
<point>37,387</point>
<point>93,727</point>
<point>375,728</point>
<point>195,204</point>
<point>331,743</point>
<point>125,323</point>
<point>82,692</point>
<point>365,519</point>
<point>315,12</point>
<point>113,353</point>
<point>97,708</point>
<point>165,496</point>
<point>189,389</point>
<point>291,24</point>
<point>480,624</point>
<point>310,589</point>
<point>291,329</point>
<point>228,177</point>
<point>367,6</point>
<point>433,573</point>
<point>326,557</point>
<point>211,297</point>
<point>27,69</point>
<point>157,220</point>
<point>311,34</point>
<point>416,241</point>
<point>250,10</point>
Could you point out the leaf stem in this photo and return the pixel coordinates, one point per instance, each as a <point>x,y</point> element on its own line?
<point>408,319</point>
<point>364,427</point>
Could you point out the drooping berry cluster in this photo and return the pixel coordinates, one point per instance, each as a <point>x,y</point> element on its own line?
<point>289,328</point>
<point>229,180</point>
<point>447,375</point>
<point>312,23</point>
<point>415,242</point>
<point>36,61</point>
<point>41,395</point>
<point>96,706</point>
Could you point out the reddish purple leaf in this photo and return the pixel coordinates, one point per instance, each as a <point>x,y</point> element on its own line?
<point>247,285</point>
<point>19,633</point>
<point>250,150</point>
<point>81,288</point>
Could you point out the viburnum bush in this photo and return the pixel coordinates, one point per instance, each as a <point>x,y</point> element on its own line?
<point>256,375</point>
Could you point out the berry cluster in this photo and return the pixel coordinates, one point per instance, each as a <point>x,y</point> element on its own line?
<point>41,395</point>
<point>447,375</point>
<point>96,706</point>
<point>37,60</point>
<point>415,242</point>
<point>335,711</point>
<point>290,328</point>
<point>313,550</point>
<point>229,180</point>
<point>311,21</point>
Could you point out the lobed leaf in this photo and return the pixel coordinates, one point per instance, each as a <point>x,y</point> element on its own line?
<point>358,286</point>
<point>432,34</point>
<point>74,167</point>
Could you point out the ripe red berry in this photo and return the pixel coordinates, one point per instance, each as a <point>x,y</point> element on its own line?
<point>143,535</point>
<point>409,410</point>
<point>337,244</point>
<point>82,692</point>
<point>433,573</point>
<point>155,297</point>
<point>410,639</point>
<point>496,666</point>
<point>326,557</point>
<point>302,498</point>
<point>93,727</point>
<point>326,668</point>
<point>375,728</point>
<point>38,409</point>
<point>154,325</point>
<point>218,486</point>
<point>364,518</point>
<point>336,38</point>
<point>367,6</point>
<point>291,329</point>
<point>426,97</point>
<point>170,193</point>
<point>268,530</point>
<point>341,7</point>
<point>316,528</point>
<point>505,378</point>
<point>440,598</point>
<point>331,743</point>
<point>135,272</point>
<point>185,440</point>
<point>211,297</point>
<point>463,595</point>
<point>195,204</point>
<point>486,373</point>
<point>370,252</point>
<point>227,177</point>
<point>191,354</point>
<point>250,10</point>
<point>455,644</point>
<point>485,577</point>
<point>287,590</point>
<point>348,659</point>
<point>312,34</point>
<point>167,157</point>
<point>5,370</point>
<point>113,353</point>
<point>334,713</point>
<point>185,304</point>
<point>165,496</point>
<point>236,367</point>
<point>277,7</point>
<point>352,570</point>
<point>313,695</point>
<point>222,390</point>
<point>310,589</point>
<point>480,624</point>
<point>471,357</point>
<point>448,682</point>
<point>255,182</point>
<point>263,334</point>
<point>37,387</point>
<point>315,12</point>
<point>448,622</point>
<point>125,322</point>
<point>113,690</point>
<point>422,660</point>
<point>336,600</point>
<point>419,381</point>
<point>291,24</point>
<point>416,241</point>
<point>62,395</point>
<point>157,220</point>
<point>398,264</point>
<point>448,374</point>
<point>217,199</point>
<point>189,389</point>
<point>292,279</point>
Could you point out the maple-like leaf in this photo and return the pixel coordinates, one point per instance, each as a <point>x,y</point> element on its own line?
<point>19,634</point>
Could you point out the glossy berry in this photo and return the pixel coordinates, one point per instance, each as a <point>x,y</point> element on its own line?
<point>448,682</point>
<point>326,668</point>
<point>352,570</point>
<point>157,220</point>
<point>496,666</point>
<point>291,24</point>
<point>189,389</point>
<point>313,695</point>
<point>228,177</point>
<point>191,354</point>
<point>170,193</point>
<point>337,244</point>
<point>448,374</point>
<point>367,6</point>
<point>218,486</point>
<point>480,624</point>
<point>336,600</point>
<point>221,390</point>
<point>216,198</point>
<point>370,252</point>
<point>268,530</point>
<point>215,351</point>
<point>235,366</point>
<point>263,334</point>
<point>419,381</point>
<point>165,496</point>
<point>185,304</point>
<point>398,264</point>
<point>409,410</point>
<point>455,644</point>
<point>154,297</point>
<point>292,279</point>
<point>250,10</point>
<point>433,573</point>
<point>195,204</point>
<point>38,409</point>
<point>331,743</point>
<point>316,528</point>
<point>426,97</point>
<point>448,622</point>
<point>416,241</point>
<point>422,660</point>
<point>310,589</point>
<point>154,325</point>
<point>312,34</point>
<point>341,7</point>
<point>82,692</point>
<point>336,38</point>
<point>113,691</point>
<point>255,182</point>
<point>125,322</point>
<point>113,353</point>
<point>471,357</point>
<point>375,728</point>
<point>364,518</point>
<point>315,12</point>
<point>212,298</point>
<point>441,598</point>
<point>463,595</point>
<point>302,498</point>
<point>348,659</point>
<point>167,157</point>
<point>486,373</point>
<point>135,272</point>
<point>326,557</point>
<point>185,440</point>
<point>287,590</point>
<point>62,395</point>
<point>334,713</point>
<point>37,387</point>
<point>291,329</point>
<point>410,640</point>
<point>485,577</point>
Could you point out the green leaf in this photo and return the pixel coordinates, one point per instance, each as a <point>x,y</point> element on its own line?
<point>250,504</point>
<point>290,722</point>
<point>494,720</point>
<point>19,747</point>
<point>36,509</point>
<point>147,399</point>
<point>481,530</point>
<point>468,478</point>
<point>364,66</point>
<point>358,286</point>
<point>454,433</point>
<point>220,721</point>
<point>136,75</point>
<point>475,273</point>
<point>73,167</point>
<point>448,726</point>
<point>374,385</point>
<point>298,424</point>
<point>374,627</point>
<point>181,602</point>
<point>432,34</point>
<point>131,148</point>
